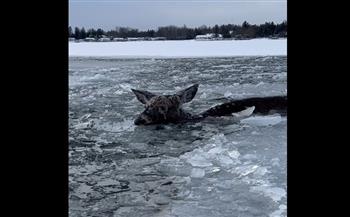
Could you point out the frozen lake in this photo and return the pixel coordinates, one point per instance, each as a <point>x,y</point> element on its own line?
<point>180,48</point>
<point>215,168</point>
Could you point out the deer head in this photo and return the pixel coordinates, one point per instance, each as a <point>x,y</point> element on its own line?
<point>163,108</point>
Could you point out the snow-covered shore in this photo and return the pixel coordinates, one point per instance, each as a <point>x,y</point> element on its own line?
<point>185,48</point>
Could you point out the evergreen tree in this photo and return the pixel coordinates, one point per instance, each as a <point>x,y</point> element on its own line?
<point>70,32</point>
<point>123,32</point>
<point>91,33</point>
<point>198,31</point>
<point>245,24</point>
<point>190,34</point>
<point>150,33</point>
<point>216,30</point>
<point>245,30</point>
<point>224,30</point>
<point>82,33</point>
<point>281,29</point>
<point>77,33</point>
<point>99,33</point>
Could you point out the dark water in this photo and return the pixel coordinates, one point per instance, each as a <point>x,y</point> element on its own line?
<point>218,167</point>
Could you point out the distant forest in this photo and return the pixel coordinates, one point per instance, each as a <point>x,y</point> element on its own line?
<point>246,30</point>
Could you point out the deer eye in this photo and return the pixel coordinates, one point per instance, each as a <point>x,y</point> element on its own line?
<point>149,112</point>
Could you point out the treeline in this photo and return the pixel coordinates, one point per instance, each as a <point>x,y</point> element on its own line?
<point>246,30</point>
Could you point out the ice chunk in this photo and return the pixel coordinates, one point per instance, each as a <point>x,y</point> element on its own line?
<point>225,160</point>
<point>218,139</point>
<point>255,133</point>
<point>224,185</point>
<point>107,182</point>
<point>215,169</point>
<point>261,171</point>
<point>275,193</point>
<point>162,201</point>
<point>197,158</point>
<point>83,190</point>
<point>125,125</point>
<point>216,150</point>
<point>249,157</point>
<point>245,170</point>
<point>86,125</point>
<point>278,213</point>
<point>119,92</point>
<point>227,94</point>
<point>84,117</point>
<point>197,173</point>
<point>97,148</point>
<point>260,83</point>
<point>199,161</point>
<point>234,154</point>
<point>243,114</point>
<point>263,120</point>
<point>125,86</point>
<point>275,162</point>
<point>203,96</point>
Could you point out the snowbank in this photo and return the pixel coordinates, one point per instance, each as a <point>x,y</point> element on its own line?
<point>186,48</point>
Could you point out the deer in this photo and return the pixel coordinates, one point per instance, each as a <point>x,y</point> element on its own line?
<point>165,109</point>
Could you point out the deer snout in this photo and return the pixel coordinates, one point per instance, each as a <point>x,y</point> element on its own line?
<point>139,121</point>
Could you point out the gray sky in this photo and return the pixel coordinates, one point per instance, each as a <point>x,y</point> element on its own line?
<point>150,14</point>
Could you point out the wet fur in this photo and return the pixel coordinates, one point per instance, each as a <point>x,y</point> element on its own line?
<point>163,109</point>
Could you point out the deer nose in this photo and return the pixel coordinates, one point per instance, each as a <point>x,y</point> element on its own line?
<point>139,121</point>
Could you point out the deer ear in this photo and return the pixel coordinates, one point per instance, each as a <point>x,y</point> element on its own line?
<point>143,96</point>
<point>187,94</point>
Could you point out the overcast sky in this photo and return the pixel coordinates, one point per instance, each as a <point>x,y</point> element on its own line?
<point>150,14</point>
